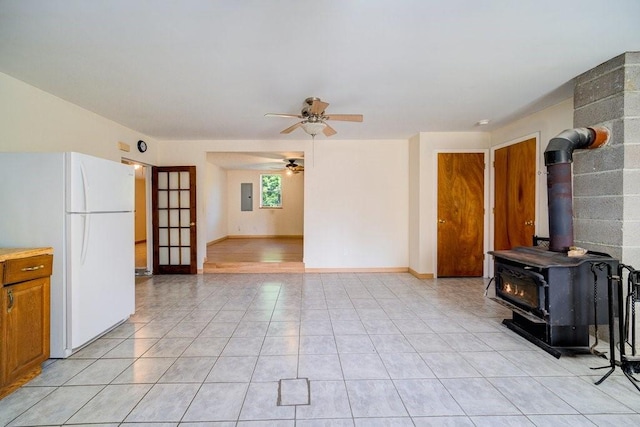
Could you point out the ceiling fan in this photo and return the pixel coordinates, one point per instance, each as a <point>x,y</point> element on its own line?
<point>314,118</point>
<point>293,167</point>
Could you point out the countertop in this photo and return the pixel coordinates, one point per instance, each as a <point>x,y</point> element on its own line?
<point>14,253</point>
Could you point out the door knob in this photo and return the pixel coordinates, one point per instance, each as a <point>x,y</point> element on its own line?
<point>192,224</point>
<point>441,221</point>
<point>530,222</point>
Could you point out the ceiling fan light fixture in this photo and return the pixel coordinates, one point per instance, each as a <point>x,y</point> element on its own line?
<point>293,168</point>
<point>313,128</point>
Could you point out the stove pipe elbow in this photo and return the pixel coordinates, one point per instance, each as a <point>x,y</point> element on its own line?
<point>560,148</point>
<point>558,158</point>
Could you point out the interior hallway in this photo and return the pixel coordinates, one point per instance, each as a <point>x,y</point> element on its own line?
<point>377,349</point>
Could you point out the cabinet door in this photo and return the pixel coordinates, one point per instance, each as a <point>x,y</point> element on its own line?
<point>26,327</point>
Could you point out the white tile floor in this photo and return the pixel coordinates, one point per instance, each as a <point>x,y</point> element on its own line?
<point>377,349</point>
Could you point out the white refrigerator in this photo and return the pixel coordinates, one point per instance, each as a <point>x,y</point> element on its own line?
<point>82,206</point>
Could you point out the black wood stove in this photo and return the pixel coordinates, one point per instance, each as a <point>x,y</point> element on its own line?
<point>555,297</point>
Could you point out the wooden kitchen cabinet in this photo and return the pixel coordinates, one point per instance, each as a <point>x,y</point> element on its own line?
<point>24,316</point>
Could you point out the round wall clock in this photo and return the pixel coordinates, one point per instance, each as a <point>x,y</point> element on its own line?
<point>142,146</point>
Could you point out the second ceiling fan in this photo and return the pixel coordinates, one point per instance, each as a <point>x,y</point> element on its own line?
<point>314,118</point>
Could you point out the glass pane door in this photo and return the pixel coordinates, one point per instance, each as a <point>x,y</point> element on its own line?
<point>174,220</point>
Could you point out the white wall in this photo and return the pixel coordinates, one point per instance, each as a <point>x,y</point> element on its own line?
<point>216,202</point>
<point>547,123</point>
<point>34,120</point>
<point>355,197</point>
<point>287,221</point>
<point>356,205</point>
<point>415,222</point>
<point>424,229</point>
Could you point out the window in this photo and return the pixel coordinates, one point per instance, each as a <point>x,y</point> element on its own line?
<point>270,191</point>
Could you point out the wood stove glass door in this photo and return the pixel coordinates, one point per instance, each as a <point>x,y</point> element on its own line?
<point>460,214</point>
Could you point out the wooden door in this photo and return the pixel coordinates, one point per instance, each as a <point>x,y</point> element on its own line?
<point>174,220</point>
<point>515,200</point>
<point>460,214</point>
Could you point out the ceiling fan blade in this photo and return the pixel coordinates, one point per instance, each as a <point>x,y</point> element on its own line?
<point>292,128</point>
<point>344,117</point>
<point>317,107</point>
<point>328,131</point>
<point>295,116</point>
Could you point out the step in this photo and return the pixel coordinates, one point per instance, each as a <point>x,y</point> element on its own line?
<point>253,267</point>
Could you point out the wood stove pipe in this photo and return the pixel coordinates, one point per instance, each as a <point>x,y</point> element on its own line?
<point>558,158</point>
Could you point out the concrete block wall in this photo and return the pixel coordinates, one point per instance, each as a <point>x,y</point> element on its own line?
<point>607,180</point>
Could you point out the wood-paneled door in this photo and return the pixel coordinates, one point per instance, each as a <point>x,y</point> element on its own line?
<point>174,220</point>
<point>460,214</point>
<point>515,195</point>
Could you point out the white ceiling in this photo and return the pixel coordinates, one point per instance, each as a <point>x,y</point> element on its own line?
<point>269,161</point>
<point>205,69</point>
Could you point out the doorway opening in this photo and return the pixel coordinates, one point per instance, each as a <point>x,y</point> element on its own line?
<point>246,233</point>
<point>141,235</point>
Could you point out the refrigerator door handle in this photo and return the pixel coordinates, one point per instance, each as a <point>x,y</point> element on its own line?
<point>85,238</point>
<point>85,187</point>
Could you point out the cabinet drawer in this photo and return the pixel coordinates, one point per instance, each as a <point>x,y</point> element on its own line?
<point>21,269</point>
